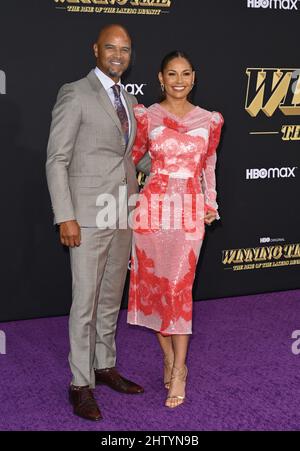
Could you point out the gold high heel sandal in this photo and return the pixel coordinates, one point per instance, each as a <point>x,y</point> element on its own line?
<point>180,375</point>
<point>168,366</point>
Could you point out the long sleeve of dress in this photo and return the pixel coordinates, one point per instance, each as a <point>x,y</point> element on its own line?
<point>208,174</point>
<point>140,145</point>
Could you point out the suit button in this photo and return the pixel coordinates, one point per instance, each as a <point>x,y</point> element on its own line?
<point>124,180</point>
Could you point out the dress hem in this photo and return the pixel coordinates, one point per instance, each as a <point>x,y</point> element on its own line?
<point>156,330</point>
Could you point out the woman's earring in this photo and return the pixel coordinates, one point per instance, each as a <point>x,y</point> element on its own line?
<point>162,87</point>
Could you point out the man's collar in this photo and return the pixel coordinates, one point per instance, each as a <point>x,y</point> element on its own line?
<point>106,81</point>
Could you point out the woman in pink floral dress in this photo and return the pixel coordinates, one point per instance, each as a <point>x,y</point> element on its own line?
<point>178,199</point>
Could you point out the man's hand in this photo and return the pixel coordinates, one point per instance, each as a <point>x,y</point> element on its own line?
<point>210,217</point>
<point>69,233</point>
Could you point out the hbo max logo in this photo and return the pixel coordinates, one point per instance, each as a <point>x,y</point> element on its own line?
<point>133,88</point>
<point>273,4</point>
<point>271,173</point>
<point>2,82</point>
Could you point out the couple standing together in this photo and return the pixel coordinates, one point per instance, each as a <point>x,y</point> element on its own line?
<point>99,137</point>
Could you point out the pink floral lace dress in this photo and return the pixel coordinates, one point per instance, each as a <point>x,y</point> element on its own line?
<point>168,221</point>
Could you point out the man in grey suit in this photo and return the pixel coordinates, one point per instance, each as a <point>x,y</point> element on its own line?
<point>89,154</point>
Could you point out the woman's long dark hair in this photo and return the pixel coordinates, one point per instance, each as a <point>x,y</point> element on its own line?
<point>169,57</point>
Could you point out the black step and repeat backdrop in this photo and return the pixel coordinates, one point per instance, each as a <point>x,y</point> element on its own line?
<point>248,68</point>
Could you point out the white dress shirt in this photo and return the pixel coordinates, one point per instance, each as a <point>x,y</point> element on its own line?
<point>108,83</point>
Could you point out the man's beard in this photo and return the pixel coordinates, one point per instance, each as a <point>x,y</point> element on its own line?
<point>114,73</point>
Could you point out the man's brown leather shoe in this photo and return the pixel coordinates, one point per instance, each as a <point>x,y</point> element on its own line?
<point>84,403</point>
<point>114,380</point>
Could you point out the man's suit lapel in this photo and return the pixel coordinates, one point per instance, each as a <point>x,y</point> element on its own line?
<point>104,99</point>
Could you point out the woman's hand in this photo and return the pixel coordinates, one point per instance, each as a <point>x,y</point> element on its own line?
<point>210,217</point>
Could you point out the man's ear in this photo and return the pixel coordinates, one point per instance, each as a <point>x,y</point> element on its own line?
<point>95,47</point>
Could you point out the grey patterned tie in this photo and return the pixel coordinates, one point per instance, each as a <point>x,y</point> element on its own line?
<point>121,112</point>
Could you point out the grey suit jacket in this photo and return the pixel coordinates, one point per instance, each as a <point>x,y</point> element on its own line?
<point>87,154</point>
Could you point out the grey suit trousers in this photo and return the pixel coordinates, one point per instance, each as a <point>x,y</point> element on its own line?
<point>99,267</point>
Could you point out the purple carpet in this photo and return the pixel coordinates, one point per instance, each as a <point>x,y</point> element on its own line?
<point>242,372</point>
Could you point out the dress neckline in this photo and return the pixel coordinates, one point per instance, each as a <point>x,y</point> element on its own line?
<point>178,118</point>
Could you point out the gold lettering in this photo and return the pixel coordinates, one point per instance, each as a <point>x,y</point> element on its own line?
<point>142,3</point>
<point>269,89</point>
<point>229,257</point>
<point>291,132</point>
<point>291,105</point>
<point>260,254</point>
<point>277,252</point>
<point>288,132</point>
<point>157,3</point>
<point>248,255</point>
<point>292,251</point>
<point>296,136</point>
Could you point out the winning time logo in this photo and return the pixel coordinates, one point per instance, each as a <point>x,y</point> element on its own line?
<point>149,7</point>
<point>270,90</point>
